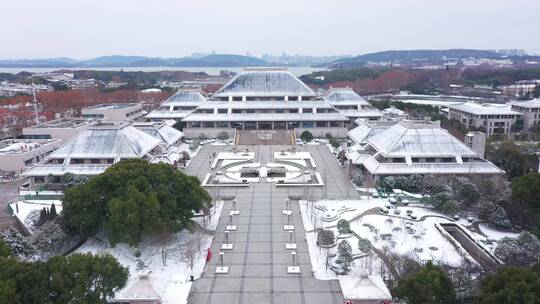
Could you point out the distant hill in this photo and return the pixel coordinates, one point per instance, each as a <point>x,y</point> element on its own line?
<point>403,55</point>
<point>218,60</point>
<point>38,63</point>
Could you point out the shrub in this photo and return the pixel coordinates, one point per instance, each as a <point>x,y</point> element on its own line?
<point>223,135</point>
<point>364,245</point>
<point>493,214</point>
<point>358,179</point>
<point>343,226</point>
<point>306,136</point>
<point>344,259</point>
<point>523,251</point>
<point>334,143</point>
<point>325,237</point>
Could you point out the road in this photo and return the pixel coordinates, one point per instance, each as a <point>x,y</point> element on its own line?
<point>259,259</point>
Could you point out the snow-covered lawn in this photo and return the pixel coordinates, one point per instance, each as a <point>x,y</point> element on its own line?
<point>24,210</point>
<point>148,275</point>
<point>147,257</point>
<point>421,238</point>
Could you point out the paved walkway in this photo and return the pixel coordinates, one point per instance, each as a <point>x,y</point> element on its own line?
<point>259,260</point>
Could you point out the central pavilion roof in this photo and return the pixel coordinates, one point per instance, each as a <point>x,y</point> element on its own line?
<point>265,83</point>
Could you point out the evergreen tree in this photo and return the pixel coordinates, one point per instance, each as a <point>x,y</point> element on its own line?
<point>429,285</point>
<point>511,285</point>
<point>134,199</point>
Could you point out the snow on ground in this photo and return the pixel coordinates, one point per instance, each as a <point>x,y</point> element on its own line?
<point>175,274</point>
<point>313,212</point>
<point>211,220</point>
<point>422,237</point>
<point>494,234</point>
<point>22,209</point>
<point>171,281</point>
<point>318,255</point>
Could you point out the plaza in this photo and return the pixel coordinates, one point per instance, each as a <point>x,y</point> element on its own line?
<point>259,260</point>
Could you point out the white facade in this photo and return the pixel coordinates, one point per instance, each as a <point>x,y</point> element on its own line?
<point>61,128</point>
<point>17,155</point>
<point>265,99</point>
<point>530,111</point>
<point>491,119</point>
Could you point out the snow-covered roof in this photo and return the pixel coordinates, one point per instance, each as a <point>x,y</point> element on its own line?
<point>364,113</point>
<point>363,133</point>
<point>201,117</point>
<point>478,109</point>
<point>414,140</point>
<point>165,133</point>
<point>122,141</point>
<point>418,140</point>
<point>184,97</point>
<point>59,170</point>
<point>393,111</point>
<point>168,114</point>
<point>377,168</point>
<point>265,83</point>
<point>534,103</point>
<point>344,95</point>
<point>365,287</point>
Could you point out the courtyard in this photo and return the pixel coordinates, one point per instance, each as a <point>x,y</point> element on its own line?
<point>258,261</point>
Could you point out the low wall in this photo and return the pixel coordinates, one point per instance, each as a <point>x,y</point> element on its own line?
<point>209,132</point>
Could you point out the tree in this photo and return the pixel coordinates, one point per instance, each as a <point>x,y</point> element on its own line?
<point>78,278</point>
<point>493,214</point>
<point>103,276</point>
<point>325,237</point>
<point>364,245</point>
<point>334,142</point>
<point>47,238</point>
<point>223,135</point>
<point>429,285</point>
<point>133,199</point>
<point>523,251</point>
<point>306,136</point>
<point>525,190</point>
<point>5,251</point>
<point>344,259</point>
<point>18,244</point>
<point>69,179</point>
<point>343,226</point>
<point>511,285</point>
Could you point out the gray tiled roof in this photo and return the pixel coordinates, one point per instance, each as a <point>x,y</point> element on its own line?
<point>265,83</point>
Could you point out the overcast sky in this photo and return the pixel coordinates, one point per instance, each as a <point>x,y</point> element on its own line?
<point>173,28</point>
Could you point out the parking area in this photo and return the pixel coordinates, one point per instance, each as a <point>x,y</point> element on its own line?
<point>259,260</point>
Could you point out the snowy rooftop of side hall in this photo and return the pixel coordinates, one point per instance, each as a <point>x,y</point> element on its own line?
<point>122,142</point>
